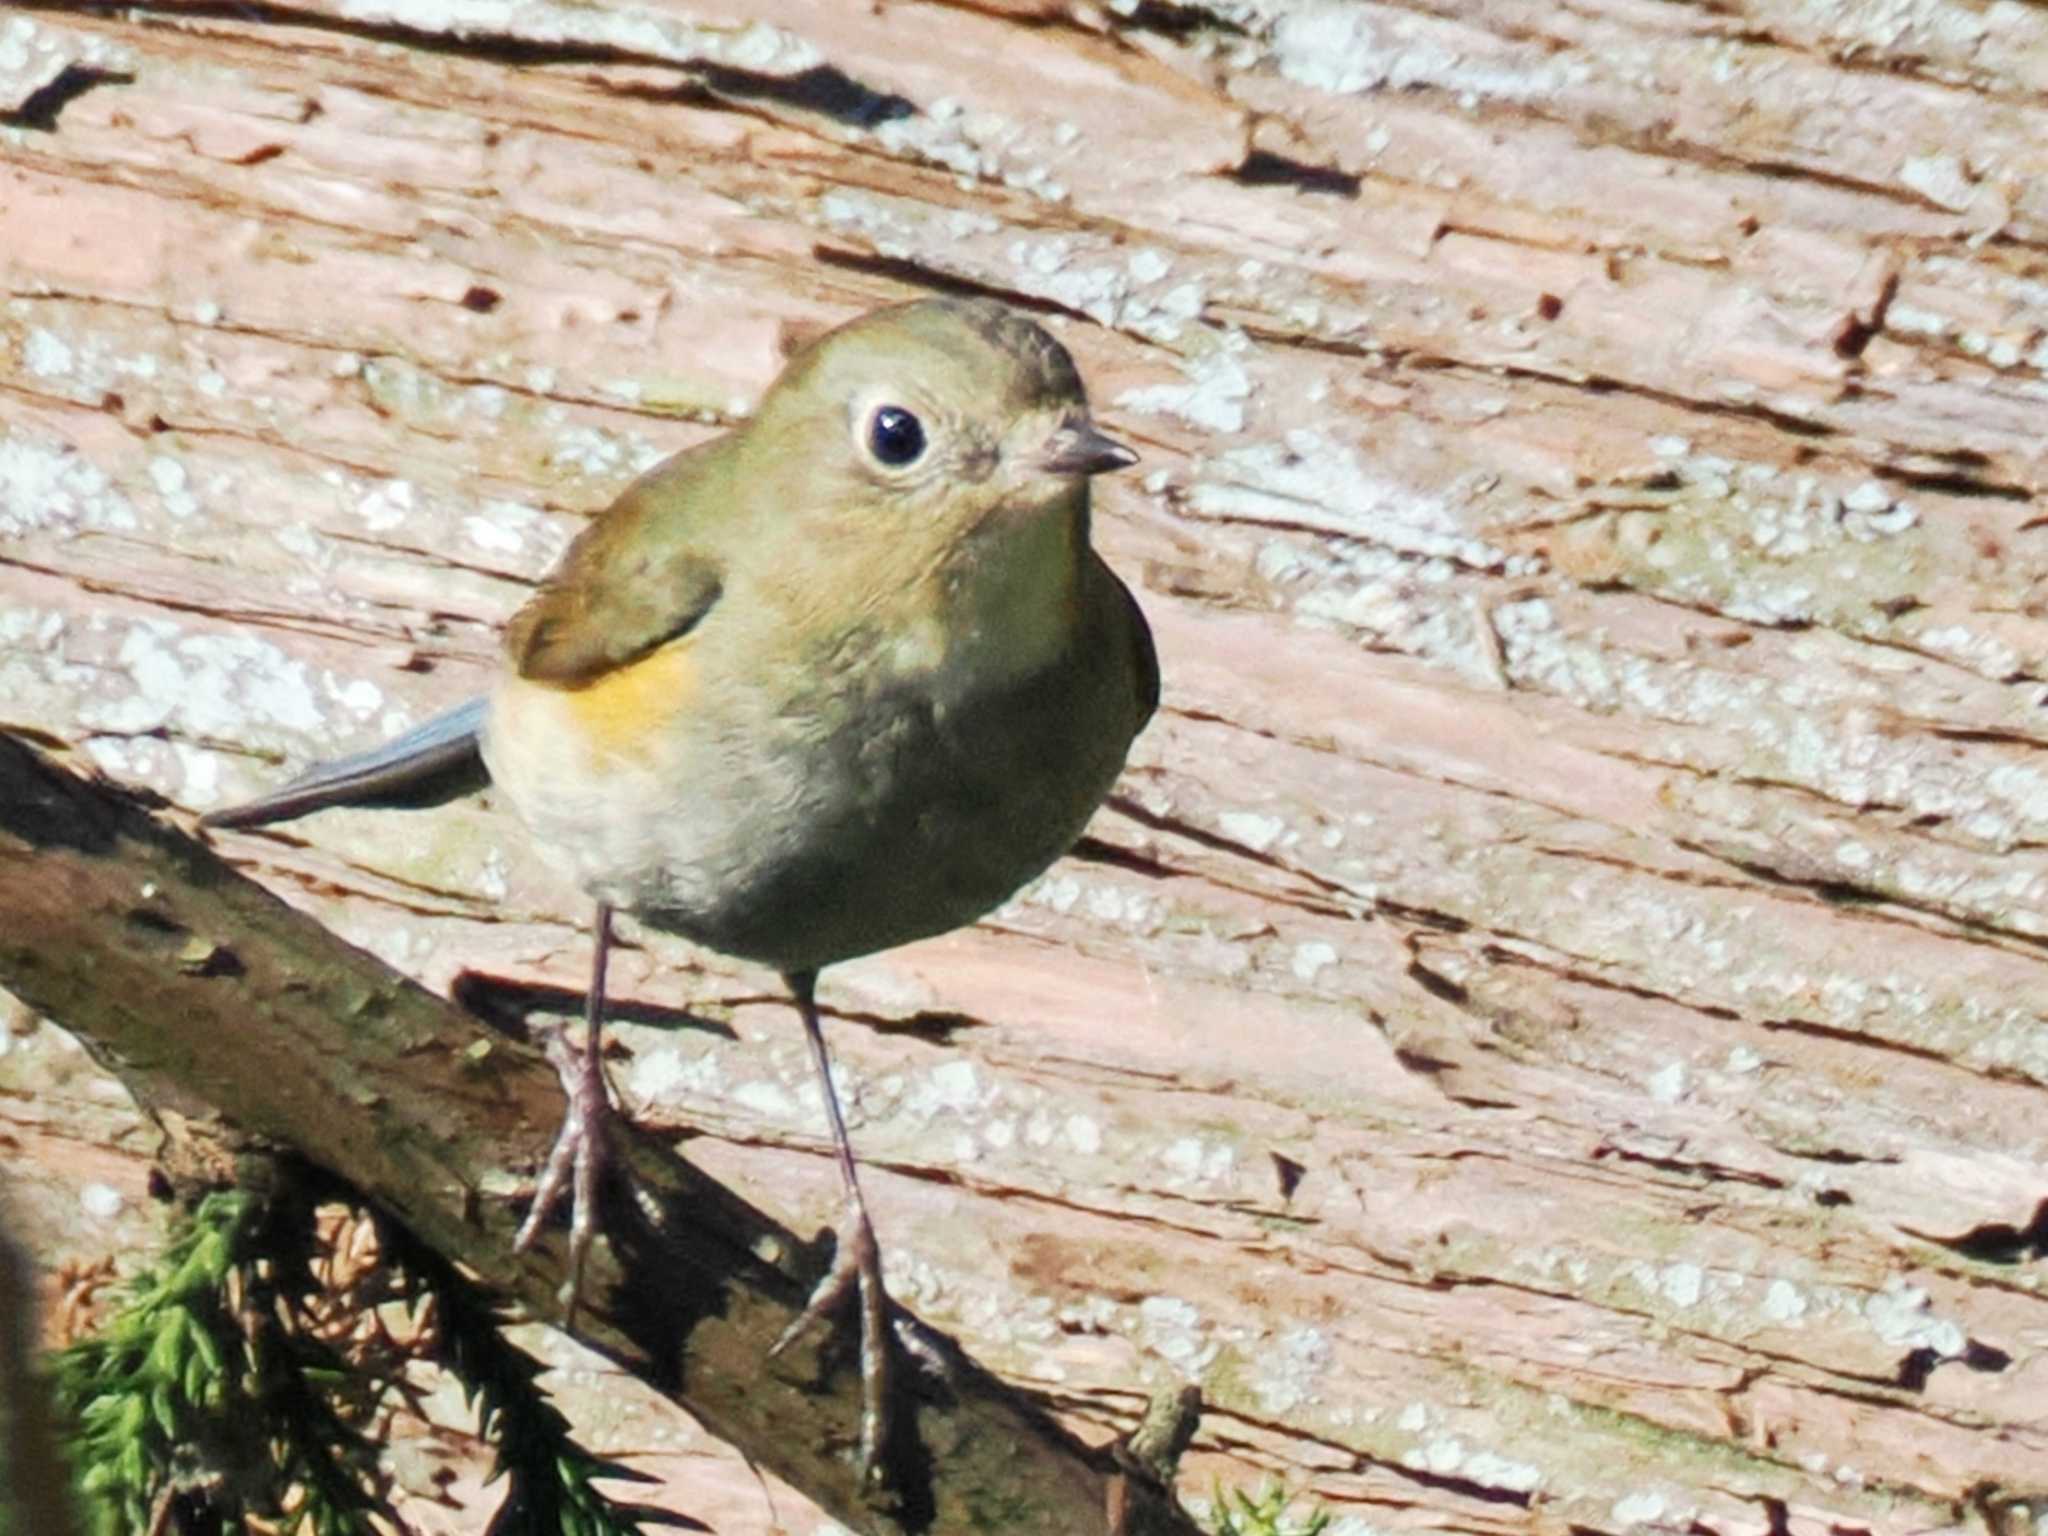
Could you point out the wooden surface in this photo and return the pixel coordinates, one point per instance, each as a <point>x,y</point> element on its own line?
<point>1551,1033</point>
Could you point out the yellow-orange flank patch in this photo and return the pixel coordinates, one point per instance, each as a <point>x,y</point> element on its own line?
<point>621,712</point>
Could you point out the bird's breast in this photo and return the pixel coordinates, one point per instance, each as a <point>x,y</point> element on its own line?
<point>798,802</point>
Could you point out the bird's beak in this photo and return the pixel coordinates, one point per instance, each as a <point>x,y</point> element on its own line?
<point>1078,449</point>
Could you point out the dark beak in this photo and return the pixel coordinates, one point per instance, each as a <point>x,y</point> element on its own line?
<point>1078,449</point>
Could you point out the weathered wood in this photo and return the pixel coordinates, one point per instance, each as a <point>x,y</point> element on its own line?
<point>211,995</point>
<point>1552,1032</point>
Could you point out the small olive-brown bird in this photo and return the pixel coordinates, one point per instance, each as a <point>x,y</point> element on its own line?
<point>845,677</point>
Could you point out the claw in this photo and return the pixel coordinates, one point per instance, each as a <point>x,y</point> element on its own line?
<point>575,1164</point>
<point>857,1263</point>
<point>857,1267</point>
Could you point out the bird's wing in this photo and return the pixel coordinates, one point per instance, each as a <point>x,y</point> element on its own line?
<point>639,576</point>
<point>642,574</point>
<point>427,765</point>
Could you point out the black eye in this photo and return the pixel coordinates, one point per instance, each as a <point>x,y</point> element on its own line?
<point>895,437</point>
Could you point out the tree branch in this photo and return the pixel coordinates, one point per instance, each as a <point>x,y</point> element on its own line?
<point>213,998</point>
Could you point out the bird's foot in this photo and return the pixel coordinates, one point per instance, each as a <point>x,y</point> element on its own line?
<point>857,1272</point>
<point>576,1163</point>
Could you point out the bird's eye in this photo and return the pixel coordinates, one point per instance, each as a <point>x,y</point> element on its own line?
<point>895,437</point>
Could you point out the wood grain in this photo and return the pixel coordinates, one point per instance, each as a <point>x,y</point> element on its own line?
<point>1550,1033</point>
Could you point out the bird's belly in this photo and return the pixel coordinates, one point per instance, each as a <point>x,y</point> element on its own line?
<point>799,840</point>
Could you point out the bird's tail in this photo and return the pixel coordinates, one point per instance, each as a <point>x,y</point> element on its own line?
<point>429,764</point>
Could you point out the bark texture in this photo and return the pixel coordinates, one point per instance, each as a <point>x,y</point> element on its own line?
<point>1550,1034</point>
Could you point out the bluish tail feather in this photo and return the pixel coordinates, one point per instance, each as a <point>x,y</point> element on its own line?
<point>428,765</point>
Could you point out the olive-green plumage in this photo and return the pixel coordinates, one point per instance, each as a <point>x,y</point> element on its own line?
<point>798,703</point>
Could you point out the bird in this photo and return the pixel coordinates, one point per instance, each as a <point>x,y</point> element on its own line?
<point>844,677</point>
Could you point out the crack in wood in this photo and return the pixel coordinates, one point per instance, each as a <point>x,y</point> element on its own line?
<point>40,109</point>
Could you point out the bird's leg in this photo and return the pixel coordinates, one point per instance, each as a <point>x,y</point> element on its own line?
<point>577,1161</point>
<point>856,1260</point>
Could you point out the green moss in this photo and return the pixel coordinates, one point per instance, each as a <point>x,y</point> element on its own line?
<point>1269,1512</point>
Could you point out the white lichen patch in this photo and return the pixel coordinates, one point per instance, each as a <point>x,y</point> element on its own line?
<point>1195,1160</point>
<point>993,1311</point>
<point>173,486</point>
<point>1105,901</point>
<point>358,695</point>
<point>1177,1333</point>
<point>1253,829</point>
<point>770,1100</point>
<point>1148,265</point>
<point>47,355</point>
<point>198,776</point>
<point>1682,1284</point>
<point>602,454</point>
<point>1123,907</point>
<point>1082,275</point>
<point>1902,1314</point>
<point>1398,601</point>
<point>387,506</point>
<point>152,675</point>
<point>1305,480</point>
<point>1784,1303</point>
<point>976,145</point>
<point>493,535</point>
<point>403,389</point>
<point>1346,50</point>
<point>1979,652</point>
<point>1644,1507</point>
<point>1286,1375</point>
<point>1667,1084</point>
<point>888,224</point>
<point>47,486</point>
<point>632,29</point>
<point>951,1088</point>
<point>1087,274</point>
<point>1312,958</point>
<point>492,883</point>
<point>1943,179</point>
<point>1448,1456</point>
<point>1216,392</point>
<point>69,355</point>
<point>529,540</point>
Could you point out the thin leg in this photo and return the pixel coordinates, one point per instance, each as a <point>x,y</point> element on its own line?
<point>577,1161</point>
<point>857,1260</point>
